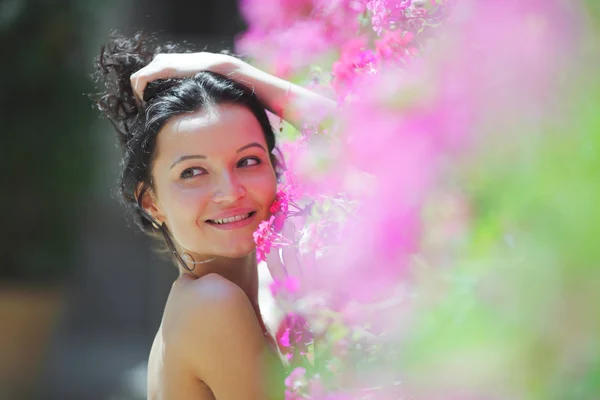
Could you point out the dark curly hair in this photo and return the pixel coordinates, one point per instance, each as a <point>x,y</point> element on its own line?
<point>137,125</point>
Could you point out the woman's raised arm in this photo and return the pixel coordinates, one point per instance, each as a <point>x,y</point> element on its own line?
<point>280,97</point>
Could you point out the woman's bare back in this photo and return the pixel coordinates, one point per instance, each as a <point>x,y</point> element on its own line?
<point>168,379</point>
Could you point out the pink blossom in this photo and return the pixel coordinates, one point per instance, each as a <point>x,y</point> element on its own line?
<point>395,45</point>
<point>385,12</point>
<point>280,204</point>
<point>284,196</point>
<point>356,58</point>
<point>379,15</point>
<point>296,374</point>
<point>296,46</point>
<point>358,6</point>
<point>263,238</point>
<point>294,336</point>
<point>291,34</point>
<point>288,285</point>
<point>295,384</point>
<point>339,17</point>
<point>267,236</point>
<point>402,149</point>
<point>309,160</point>
<point>292,152</point>
<point>269,14</point>
<point>397,134</point>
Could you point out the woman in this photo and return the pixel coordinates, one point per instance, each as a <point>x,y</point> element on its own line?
<point>199,171</point>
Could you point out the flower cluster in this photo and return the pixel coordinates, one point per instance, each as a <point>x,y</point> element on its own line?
<point>385,13</point>
<point>330,175</point>
<point>376,213</point>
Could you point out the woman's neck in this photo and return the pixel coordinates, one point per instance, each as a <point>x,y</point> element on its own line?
<point>241,271</point>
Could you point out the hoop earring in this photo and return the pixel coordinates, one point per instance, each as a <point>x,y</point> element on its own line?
<point>187,257</point>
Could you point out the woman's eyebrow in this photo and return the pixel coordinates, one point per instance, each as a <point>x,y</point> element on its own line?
<point>199,156</point>
<point>183,158</point>
<point>253,144</point>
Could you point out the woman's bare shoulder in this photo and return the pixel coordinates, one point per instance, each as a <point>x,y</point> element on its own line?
<point>220,338</point>
<point>198,302</point>
<point>211,287</point>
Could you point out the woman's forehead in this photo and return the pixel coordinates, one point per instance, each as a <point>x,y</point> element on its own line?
<point>215,128</point>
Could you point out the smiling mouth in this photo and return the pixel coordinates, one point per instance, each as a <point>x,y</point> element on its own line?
<point>229,220</point>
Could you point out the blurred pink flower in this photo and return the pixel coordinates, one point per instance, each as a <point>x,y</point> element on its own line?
<point>385,12</point>
<point>297,46</point>
<point>355,58</point>
<point>296,383</point>
<point>294,336</point>
<point>400,129</point>
<point>288,285</point>
<point>291,34</point>
<point>268,14</point>
<point>358,6</point>
<point>267,236</point>
<point>395,46</point>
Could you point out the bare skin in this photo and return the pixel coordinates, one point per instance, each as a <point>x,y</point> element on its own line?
<point>212,342</point>
<point>210,345</point>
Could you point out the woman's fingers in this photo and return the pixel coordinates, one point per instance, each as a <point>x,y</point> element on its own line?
<point>180,65</point>
<point>137,86</point>
<point>164,66</point>
<point>161,67</point>
<point>140,79</point>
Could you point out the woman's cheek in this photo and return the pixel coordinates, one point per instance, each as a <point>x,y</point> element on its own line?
<point>188,204</point>
<point>265,189</point>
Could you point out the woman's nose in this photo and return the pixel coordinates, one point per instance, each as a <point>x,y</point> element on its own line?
<point>228,189</point>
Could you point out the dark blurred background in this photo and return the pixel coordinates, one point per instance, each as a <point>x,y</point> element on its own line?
<point>81,293</point>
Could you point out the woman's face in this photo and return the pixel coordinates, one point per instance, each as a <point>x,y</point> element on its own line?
<point>214,181</point>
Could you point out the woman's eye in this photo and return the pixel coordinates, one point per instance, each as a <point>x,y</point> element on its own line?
<point>248,162</point>
<point>191,172</point>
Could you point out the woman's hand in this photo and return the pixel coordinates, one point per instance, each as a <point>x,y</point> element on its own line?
<point>181,65</point>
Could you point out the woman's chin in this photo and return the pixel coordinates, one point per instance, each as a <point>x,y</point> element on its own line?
<point>239,251</point>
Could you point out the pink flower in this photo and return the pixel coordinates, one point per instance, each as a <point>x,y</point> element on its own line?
<point>267,236</point>
<point>294,336</point>
<point>292,185</point>
<point>278,222</point>
<point>394,45</point>
<point>284,50</point>
<point>297,374</point>
<point>282,199</point>
<point>356,58</point>
<point>269,14</point>
<point>289,285</point>
<point>311,239</point>
<point>263,238</point>
<point>358,6</point>
<point>295,384</point>
<point>385,12</point>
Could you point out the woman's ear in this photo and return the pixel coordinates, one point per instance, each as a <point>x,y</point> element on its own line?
<point>150,203</point>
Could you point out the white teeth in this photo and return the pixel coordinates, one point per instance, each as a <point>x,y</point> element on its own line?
<point>231,219</point>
